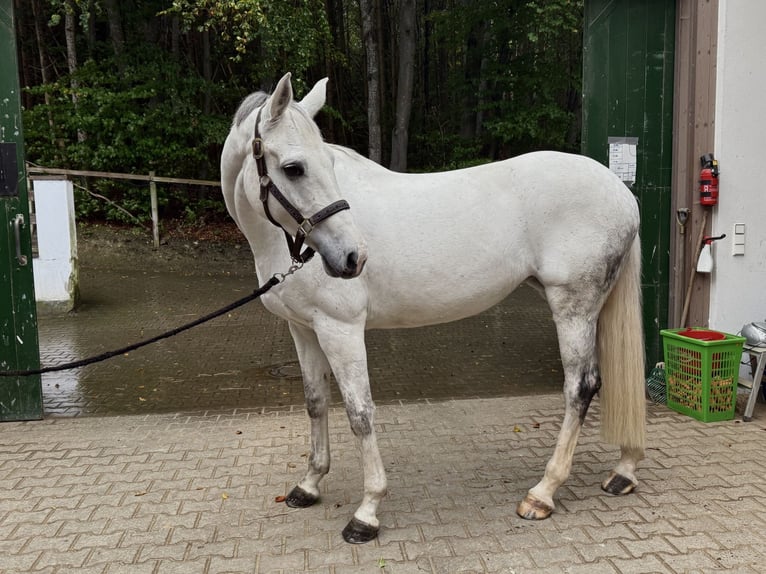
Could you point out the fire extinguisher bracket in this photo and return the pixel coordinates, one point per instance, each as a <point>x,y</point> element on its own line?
<point>708,181</point>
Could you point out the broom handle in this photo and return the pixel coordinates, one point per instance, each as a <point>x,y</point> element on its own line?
<point>694,270</point>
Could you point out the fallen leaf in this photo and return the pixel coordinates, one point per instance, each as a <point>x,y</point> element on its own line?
<point>516,428</point>
<point>536,425</point>
<point>224,495</point>
<point>140,493</point>
<point>280,499</point>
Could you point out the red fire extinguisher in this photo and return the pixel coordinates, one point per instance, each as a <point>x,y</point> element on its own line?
<point>709,180</point>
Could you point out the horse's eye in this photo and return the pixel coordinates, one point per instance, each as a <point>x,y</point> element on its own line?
<point>293,170</point>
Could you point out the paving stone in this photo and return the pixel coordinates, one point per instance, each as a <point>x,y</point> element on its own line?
<point>66,558</point>
<point>22,562</point>
<point>182,567</point>
<point>466,563</point>
<point>295,562</point>
<point>112,556</point>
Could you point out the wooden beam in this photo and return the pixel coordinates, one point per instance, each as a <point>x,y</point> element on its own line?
<point>33,170</point>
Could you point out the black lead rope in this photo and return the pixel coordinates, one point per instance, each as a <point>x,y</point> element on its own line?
<point>275,280</point>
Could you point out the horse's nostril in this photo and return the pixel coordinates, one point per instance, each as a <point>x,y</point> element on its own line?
<point>352,260</point>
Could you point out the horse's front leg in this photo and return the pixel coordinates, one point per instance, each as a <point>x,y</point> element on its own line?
<point>316,387</point>
<point>344,347</point>
<point>577,343</point>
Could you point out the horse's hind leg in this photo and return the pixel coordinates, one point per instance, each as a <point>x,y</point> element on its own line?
<point>577,343</point>
<point>622,480</point>
<point>316,385</point>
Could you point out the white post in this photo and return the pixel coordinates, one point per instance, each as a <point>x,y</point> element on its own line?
<point>55,268</point>
<point>155,211</point>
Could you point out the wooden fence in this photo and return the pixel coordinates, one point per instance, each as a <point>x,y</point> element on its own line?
<point>152,179</point>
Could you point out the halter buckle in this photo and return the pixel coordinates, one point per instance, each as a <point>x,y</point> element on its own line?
<point>257,148</point>
<point>306,227</point>
<point>264,182</point>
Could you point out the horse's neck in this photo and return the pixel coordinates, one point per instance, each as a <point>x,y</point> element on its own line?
<point>267,242</point>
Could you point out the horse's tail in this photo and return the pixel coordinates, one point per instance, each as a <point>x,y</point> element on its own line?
<point>621,358</point>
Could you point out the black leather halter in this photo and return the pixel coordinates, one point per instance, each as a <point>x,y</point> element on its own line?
<point>305,225</point>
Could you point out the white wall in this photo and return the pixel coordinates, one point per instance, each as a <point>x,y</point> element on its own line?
<point>738,291</point>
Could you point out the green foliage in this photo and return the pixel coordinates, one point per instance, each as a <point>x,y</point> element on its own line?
<point>147,118</point>
<point>516,65</point>
<point>539,77</point>
<point>495,78</point>
<point>438,151</point>
<point>274,35</point>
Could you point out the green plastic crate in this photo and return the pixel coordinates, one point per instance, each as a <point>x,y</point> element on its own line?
<point>701,376</point>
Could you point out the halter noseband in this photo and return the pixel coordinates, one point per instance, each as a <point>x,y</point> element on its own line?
<point>305,225</point>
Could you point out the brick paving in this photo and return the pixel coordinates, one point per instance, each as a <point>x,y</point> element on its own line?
<point>196,492</point>
<point>172,459</point>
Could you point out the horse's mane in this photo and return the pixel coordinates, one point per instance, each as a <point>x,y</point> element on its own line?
<point>249,105</point>
<point>351,154</point>
<point>255,101</point>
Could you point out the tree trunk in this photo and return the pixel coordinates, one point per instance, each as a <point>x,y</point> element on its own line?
<point>483,75</point>
<point>70,25</point>
<point>115,30</point>
<point>404,85</point>
<point>207,71</point>
<point>175,36</point>
<point>43,59</point>
<point>71,47</point>
<point>369,38</point>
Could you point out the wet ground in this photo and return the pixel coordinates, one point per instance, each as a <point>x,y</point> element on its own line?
<point>246,360</point>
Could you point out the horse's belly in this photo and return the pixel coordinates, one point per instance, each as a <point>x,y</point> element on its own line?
<point>394,308</point>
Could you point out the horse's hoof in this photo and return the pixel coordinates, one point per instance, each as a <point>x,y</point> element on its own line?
<point>299,498</point>
<point>358,532</point>
<point>618,484</point>
<point>532,508</point>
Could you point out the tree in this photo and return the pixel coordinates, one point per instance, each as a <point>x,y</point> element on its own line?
<point>404,86</point>
<point>369,40</point>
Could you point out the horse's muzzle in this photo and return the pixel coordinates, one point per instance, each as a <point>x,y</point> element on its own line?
<point>351,267</point>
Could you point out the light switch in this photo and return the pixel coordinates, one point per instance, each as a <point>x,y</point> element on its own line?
<point>738,239</point>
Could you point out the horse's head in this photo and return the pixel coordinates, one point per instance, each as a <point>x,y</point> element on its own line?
<point>298,188</point>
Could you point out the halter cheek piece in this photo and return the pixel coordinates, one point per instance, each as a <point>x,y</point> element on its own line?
<point>305,225</point>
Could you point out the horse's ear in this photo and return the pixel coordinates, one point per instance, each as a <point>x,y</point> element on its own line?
<point>281,98</point>
<point>315,99</point>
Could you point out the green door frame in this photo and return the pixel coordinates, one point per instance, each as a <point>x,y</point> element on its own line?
<point>20,397</point>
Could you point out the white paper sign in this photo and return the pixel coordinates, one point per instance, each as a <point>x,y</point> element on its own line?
<point>622,158</point>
